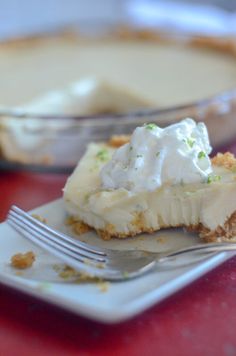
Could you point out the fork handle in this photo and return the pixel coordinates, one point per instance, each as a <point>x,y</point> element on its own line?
<point>210,247</point>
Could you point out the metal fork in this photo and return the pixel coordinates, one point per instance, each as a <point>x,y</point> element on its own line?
<point>95,261</point>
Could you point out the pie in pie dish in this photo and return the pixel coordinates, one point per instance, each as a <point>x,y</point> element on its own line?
<point>164,71</point>
<point>157,178</point>
<point>130,69</point>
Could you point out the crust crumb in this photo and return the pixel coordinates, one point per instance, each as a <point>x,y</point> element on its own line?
<point>221,233</point>
<point>47,160</point>
<point>23,260</point>
<point>227,232</point>
<point>140,225</point>
<point>107,233</point>
<point>126,33</point>
<point>139,221</point>
<point>118,140</point>
<point>70,220</point>
<point>39,218</point>
<point>223,45</point>
<point>103,286</point>
<point>79,227</point>
<point>226,160</point>
<point>67,273</point>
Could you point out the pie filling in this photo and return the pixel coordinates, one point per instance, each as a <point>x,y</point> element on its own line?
<point>120,75</point>
<point>163,73</point>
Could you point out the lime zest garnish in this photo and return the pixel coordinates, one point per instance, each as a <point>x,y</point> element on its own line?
<point>150,126</point>
<point>201,154</point>
<point>190,142</point>
<point>125,274</point>
<point>213,178</point>
<point>103,155</point>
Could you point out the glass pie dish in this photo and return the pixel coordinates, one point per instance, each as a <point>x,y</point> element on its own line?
<point>165,77</point>
<point>57,145</point>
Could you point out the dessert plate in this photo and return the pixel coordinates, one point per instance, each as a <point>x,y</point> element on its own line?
<point>48,279</point>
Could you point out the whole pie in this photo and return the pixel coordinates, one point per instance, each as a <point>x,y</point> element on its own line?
<point>123,72</point>
<point>162,71</point>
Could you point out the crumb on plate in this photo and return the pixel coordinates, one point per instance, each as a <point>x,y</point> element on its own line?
<point>23,260</point>
<point>103,286</point>
<point>66,272</point>
<point>39,218</point>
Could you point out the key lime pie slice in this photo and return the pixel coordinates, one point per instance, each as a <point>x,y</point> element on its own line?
<point>160,178</point>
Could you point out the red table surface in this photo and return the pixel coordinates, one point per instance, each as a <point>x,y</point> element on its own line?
<point>198,320</point>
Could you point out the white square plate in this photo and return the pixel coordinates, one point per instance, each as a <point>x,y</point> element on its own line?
<point>121,300</point>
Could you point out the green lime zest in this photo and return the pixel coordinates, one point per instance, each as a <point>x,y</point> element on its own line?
<point>125,274</point>
<point>103,155</point>
<point>201,155</point>
<point>213,178</point>
<point>190,142</point>
<point>150,126</point>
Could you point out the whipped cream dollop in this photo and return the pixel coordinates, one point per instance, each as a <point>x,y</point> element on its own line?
<point>156,156</point>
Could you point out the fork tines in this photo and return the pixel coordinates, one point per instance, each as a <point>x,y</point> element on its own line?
<point>77,254</point>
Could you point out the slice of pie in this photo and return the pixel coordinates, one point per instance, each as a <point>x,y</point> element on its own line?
<point>206,206</point>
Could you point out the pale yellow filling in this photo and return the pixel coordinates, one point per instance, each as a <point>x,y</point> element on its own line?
<point>164,74</point>
<point>123,212</point>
